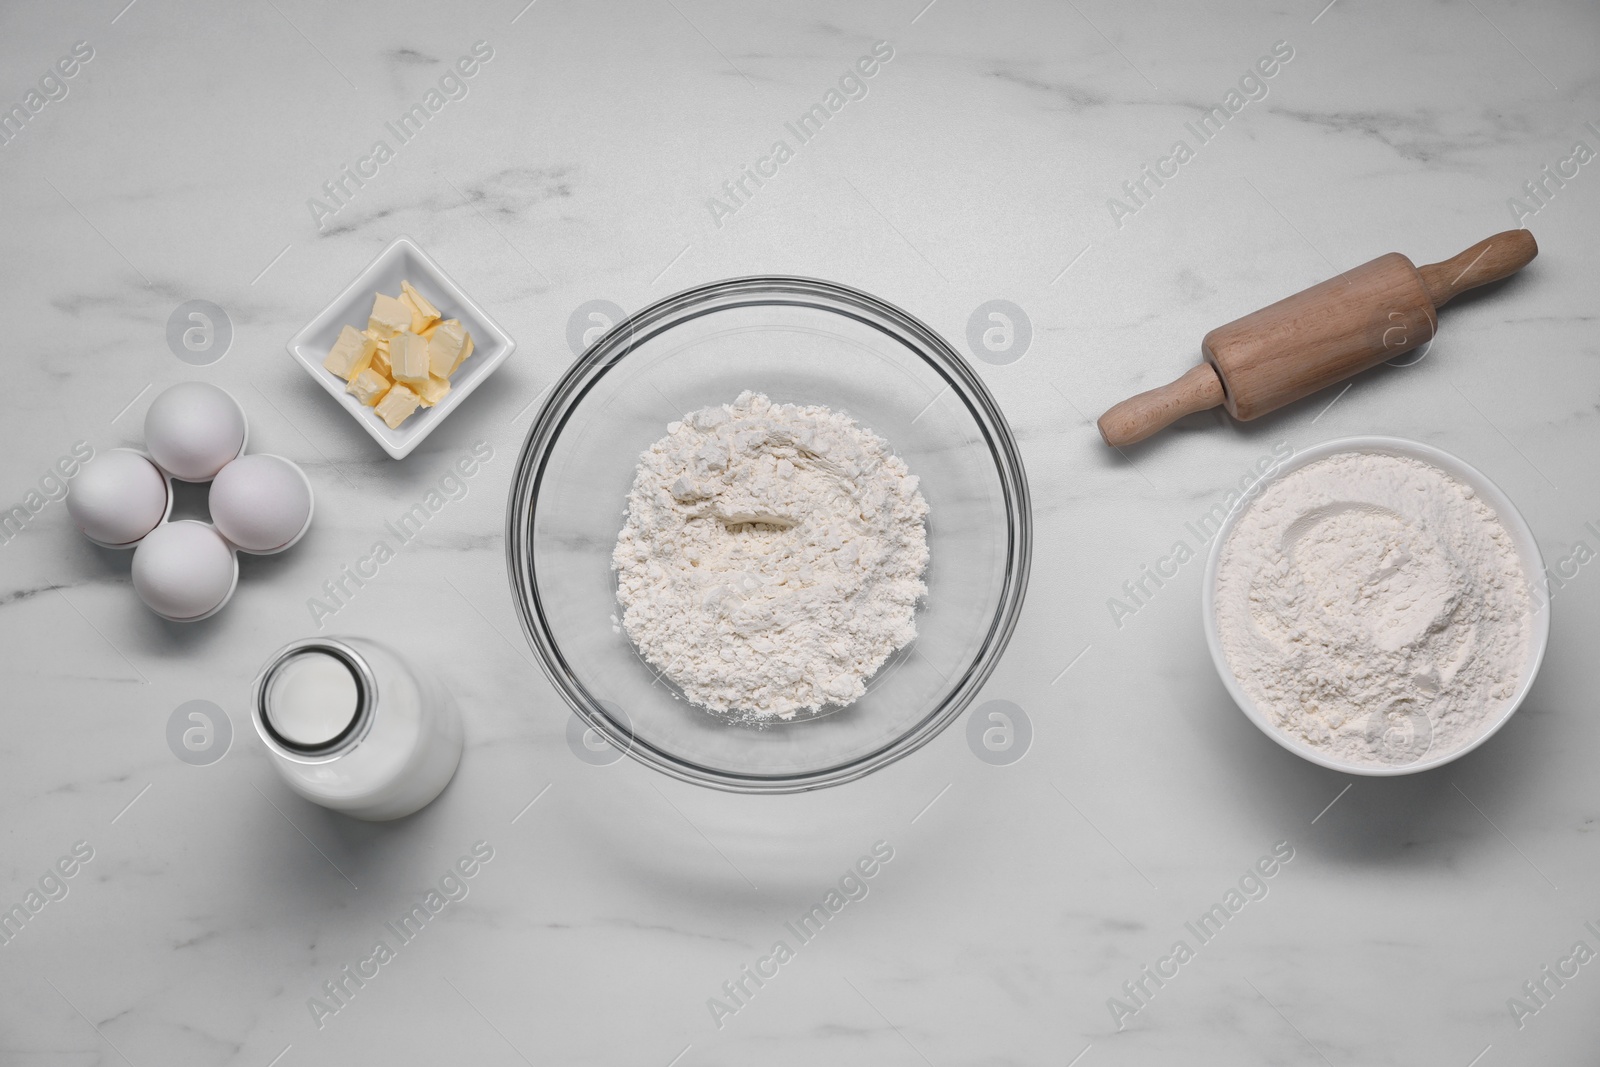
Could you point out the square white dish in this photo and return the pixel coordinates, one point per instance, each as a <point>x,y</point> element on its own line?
<point>402,260</point>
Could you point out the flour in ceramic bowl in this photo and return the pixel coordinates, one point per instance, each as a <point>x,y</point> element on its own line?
<point>1374,607</point>
<point>772,557</point>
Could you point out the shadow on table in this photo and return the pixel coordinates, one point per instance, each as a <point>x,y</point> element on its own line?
<point>1419,819</point>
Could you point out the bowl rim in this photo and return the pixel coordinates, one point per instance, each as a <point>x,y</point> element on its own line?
<point>361,288</point>
<point>1505,510</point>
<point>605,353</point>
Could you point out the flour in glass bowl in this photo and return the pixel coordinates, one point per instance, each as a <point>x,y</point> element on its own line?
<point>772,558</point>
<point>1374,607</point>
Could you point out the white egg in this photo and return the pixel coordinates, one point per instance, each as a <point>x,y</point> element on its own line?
<point>118,498</point>
<point>261,503</point>
<point>193,430</point>
<point>184,570</point>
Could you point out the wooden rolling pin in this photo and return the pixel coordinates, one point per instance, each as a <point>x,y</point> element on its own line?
<point>1319,336</point>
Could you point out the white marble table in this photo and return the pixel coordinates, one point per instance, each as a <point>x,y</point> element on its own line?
<point>578,166</point>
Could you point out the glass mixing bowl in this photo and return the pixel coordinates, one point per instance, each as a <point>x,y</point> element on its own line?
<point>799,341</point>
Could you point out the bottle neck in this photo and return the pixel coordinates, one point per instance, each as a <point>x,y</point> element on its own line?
<point>271,716</point>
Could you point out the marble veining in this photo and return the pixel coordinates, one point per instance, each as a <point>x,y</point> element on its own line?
<point>978,166</point>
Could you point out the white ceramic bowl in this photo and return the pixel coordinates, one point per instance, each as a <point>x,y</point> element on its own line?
<point>402,260</point>
<point>1510,518</point>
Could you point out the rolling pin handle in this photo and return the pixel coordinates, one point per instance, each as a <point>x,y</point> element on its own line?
<point>1140,416</point>
<point>1487,261</point>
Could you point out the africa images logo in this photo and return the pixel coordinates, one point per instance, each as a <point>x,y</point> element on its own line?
<point>852,886</point>
<point>852,85</point>
<point>452,888</point>
<point>348,182</point>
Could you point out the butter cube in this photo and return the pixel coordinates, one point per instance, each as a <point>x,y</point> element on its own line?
<point>418,300</point>
<point>389,316</point>
<point>350,354</point>
<point>428,331</point>
<point>380,357</point>
<point>419,321</point>
<point>423,313</point>
<point>408,354</point>
<point>397,406</point>
<point>444,350</point>
<point>368,387</point>
<point>466,350</point>
<point>433,390</point>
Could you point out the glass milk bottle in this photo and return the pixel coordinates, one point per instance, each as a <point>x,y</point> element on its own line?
<point>351,727</point>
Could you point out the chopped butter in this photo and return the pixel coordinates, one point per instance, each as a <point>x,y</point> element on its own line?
<point>350,354</point>
<point>380,361</point>
<point>397,406</point>
<point>466,350</point>
<point>423,313</point>
<point>368,387</point>
<point>444,350</point>
<point>404,358</point>
<point>408,353</point>
<point>433,390</point>
<point>389,316</point>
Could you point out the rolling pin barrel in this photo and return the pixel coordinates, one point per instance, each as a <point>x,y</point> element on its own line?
<point>1318,336</point>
